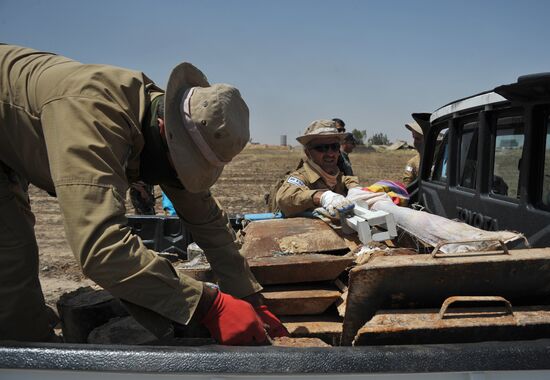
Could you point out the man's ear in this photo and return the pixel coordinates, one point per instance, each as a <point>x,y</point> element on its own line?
<point>306,151</point>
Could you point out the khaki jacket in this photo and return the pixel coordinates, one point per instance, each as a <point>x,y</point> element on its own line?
<point>411,170</point>
<point>75,130</point>
<point>296,193</point>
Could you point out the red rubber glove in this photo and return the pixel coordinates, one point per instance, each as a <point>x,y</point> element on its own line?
<point>276,328</point>
<point>234,322</point>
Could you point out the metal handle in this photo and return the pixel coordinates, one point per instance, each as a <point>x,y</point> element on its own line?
<point>450,300</point>
<point>446,242</point>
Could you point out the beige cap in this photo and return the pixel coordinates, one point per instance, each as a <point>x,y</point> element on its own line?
<point>206,126</point>
<point>320,129</point>
<point>414,127</point>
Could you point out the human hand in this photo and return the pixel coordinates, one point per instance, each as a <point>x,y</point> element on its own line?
<point>335,203</point>
<point>276,328</point>
<point>234,322</point>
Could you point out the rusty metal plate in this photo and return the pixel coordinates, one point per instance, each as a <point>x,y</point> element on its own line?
<point>283,269</point>
<point>423,281</point>
<point>299,300</point>
<point>461,325</point>
<point>291,269</point>
<point>293,235</point>
<point>298,342</point>
<point>325,327</point>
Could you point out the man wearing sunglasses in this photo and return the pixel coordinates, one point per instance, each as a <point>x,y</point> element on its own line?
<point>319,182</point>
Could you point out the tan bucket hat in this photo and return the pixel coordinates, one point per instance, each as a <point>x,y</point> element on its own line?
<point>206,126</point>
<point>414,127</point>
<point>320,129</point>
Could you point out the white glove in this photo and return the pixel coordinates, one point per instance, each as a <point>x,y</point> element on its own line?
<point>335,203</point>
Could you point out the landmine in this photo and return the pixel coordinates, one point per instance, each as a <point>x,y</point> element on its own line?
<point>426,281</point>
<point>327,327</point>
<point>497,320</point>
<point>310,299</point>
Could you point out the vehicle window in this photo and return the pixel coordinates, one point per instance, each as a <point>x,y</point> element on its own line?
<point>468,155</point>
<point>546,181</point>
<point>508,145</point>
<point>439,168</point>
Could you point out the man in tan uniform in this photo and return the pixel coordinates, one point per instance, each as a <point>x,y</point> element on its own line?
<point>348,145</point>
<point>84,133</point>
<point>319,182</point>
<point>411,170</point>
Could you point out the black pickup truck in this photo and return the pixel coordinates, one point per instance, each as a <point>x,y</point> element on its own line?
<point>486,161</point>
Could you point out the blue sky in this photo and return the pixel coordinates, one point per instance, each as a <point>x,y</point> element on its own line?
<point>370,63</point>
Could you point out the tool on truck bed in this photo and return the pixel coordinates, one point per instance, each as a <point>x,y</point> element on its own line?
<point>369,225</point>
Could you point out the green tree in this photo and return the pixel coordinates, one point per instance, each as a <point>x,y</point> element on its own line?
<point>359,136</point>
<point>379,139</point>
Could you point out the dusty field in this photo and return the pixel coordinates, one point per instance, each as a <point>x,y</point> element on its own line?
<point>240,189</point>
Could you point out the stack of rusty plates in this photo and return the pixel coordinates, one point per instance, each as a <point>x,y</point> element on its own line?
<point>297,261</point>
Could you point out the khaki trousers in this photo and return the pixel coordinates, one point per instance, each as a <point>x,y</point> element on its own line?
<point>22,307</point>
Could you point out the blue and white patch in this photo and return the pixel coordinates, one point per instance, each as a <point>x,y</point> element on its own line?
<point>295,181</point>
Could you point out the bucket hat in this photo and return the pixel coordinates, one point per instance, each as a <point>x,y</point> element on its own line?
<point>414,127</point>
<point>206,126</point>
<point>320,129</point>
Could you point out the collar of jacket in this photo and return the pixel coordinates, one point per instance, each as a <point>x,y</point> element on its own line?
<point>154,167</point>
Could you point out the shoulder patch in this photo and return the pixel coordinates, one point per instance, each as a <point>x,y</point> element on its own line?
<point>295,181</point>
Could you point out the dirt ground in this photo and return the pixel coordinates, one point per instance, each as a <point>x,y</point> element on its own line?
<point>239,190</point>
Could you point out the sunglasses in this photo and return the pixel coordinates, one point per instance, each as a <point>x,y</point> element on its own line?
<point>324,148</point>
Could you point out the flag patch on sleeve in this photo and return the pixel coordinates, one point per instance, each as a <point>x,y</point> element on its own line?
<point>295,181</point>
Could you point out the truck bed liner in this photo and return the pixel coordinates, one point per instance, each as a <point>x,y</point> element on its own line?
<point>485,356</point>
